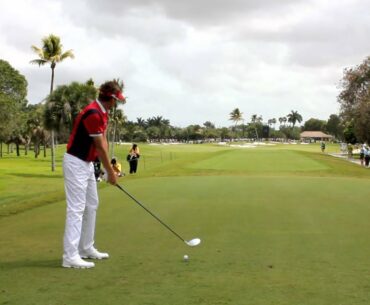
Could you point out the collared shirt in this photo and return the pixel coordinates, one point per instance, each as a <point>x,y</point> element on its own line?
<point>91,122</point>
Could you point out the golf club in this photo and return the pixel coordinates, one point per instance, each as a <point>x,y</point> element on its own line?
<point>192,243</point>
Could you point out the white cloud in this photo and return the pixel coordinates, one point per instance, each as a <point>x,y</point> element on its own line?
<point>195,61</point>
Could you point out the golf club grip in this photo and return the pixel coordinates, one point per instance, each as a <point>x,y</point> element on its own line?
<point>146,209</point>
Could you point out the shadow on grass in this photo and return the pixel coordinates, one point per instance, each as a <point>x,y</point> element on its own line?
<point>24,175</point>
<point>52,263</point>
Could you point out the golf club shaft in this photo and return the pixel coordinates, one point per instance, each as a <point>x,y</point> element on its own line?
<point>146,209</point>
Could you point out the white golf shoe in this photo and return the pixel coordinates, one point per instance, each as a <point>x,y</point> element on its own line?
<point>93,254</point>
<point>77,262</point>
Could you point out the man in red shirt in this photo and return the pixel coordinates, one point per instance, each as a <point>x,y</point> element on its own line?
<point>87,142</point>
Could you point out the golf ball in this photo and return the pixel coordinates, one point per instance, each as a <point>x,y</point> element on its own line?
<point>186,258</point>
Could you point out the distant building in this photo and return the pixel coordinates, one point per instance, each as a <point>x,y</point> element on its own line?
<point>313,136</point>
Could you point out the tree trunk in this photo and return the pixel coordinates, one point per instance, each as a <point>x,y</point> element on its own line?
<point>52,152</point>
<point>17,148</point>
<point>1,149</point>
<point>52,131</point>
<point>52,77</point>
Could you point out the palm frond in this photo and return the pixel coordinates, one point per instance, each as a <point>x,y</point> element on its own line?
<point>39,62</point>
<point>38,51</point>
<point>67,54</point>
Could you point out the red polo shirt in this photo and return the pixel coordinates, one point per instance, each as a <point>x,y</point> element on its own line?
<point>91,122</point>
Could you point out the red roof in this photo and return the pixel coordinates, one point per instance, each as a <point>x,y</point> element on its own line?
<point>315,134</point>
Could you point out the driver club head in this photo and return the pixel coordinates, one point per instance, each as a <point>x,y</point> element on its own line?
<point>194,242</point>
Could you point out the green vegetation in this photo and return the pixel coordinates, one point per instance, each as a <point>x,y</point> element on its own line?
<point>281,224</point>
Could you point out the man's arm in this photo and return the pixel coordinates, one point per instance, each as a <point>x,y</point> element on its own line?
<point>101,147</point>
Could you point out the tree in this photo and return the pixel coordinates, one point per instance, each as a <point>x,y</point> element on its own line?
<point>236,116</point>
<point>64,104</point>
<point>256,119</point>
<point>209,130</point>
<point>273,121</point>
<point>153,132</point>
<point>195,132</point>
<point>349,132</point>
<point>13,92</point>
<point>8,113</point>
<point>354,100</point>
<point>12,84</point>
<point>294,117</point>
<point>51,53</point>
<point>116,117</point>
<point>209,125</point>
<point>141,122</point>
<point>225,133</point>
<point>314,125</point>
<point>161,123</point>
<point>334,126</point>
<point>291,132</point>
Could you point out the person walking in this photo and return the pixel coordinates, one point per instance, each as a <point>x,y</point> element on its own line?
<point>367,156</point>
<point>362,154</point>
<point>322,146</point>
<point>87,142</point>
<point>133,157</point>
<point>350,151</point>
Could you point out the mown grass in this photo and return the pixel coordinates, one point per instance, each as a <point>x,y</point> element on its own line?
<point>279,225</point>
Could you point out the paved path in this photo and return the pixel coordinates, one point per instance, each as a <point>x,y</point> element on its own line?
<point>345,156</point>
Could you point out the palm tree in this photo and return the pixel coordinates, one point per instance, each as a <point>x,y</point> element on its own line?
<point>115,118</point>
<point>256,119</point>
<point>273,120</point>
<point>209,125</point>
<point>294,117</point>
<point>51,53</point>
<point>236,116</point>
<point>141,122</point>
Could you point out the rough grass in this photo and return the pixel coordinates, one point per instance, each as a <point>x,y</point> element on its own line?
<point>279,234</point>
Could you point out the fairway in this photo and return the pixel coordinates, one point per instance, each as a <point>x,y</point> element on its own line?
<point>279,225</point>
<point>266,160</point>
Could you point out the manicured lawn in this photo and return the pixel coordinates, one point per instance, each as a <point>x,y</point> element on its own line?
<point>279,225</point>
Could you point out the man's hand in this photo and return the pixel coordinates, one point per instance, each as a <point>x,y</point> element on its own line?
<point>112,178</point>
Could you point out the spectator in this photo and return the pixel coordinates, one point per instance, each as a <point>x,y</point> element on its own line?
<point>133,157</point>
<point>350,151</point>
<point>322,146</point>
<point>367,156</point>
<point>116,167</point>
<point>98,172</point>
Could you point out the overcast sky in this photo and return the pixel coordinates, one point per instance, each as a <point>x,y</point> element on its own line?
<point>196,60</point>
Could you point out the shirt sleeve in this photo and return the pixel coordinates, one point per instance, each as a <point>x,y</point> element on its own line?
<point>94,125</point>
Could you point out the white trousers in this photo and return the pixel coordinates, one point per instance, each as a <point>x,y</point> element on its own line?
<point>82,203</point>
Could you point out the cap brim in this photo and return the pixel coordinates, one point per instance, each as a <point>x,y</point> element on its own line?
<point>119,96</point>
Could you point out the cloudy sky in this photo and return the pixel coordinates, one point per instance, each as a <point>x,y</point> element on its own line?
<point>196,60</point>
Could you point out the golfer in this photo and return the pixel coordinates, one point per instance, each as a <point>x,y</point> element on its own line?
<point>87,142</point>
